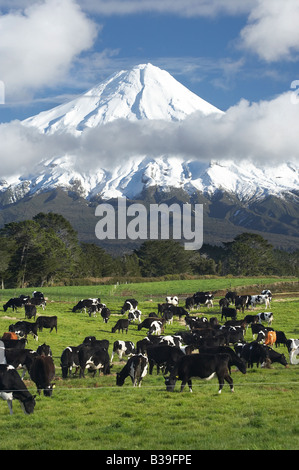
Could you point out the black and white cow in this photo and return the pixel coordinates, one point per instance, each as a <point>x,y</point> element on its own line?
<point>266,317</point>
<point>155,328</point>
<point>172,300</point>
<point>203,366</point>
<point>258,300</point>
<point>24,328</point>
<point>85,304</point>
<point>13,388</point>
<point>42,372</point>
<point>47,322</point>
<point>93,359</point>
<point>293,348</point>
<point>135,368</point>
<point>253,353</point>
<point>203,298</point>
<point>129,305</point>
<point>20,359</point>
<point>241,301</point>
<point>38,302</point>
<point>234,359</point>
<point>123,348</point>
<point>69,359</point>
<point>134,315</point>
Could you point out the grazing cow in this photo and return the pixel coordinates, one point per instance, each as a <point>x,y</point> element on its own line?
<point>93,358</point>
<point>24,328</point>
<point>228,312</point>
<point>105,314</point>
<point>129,304</point>
<point>135,368</point>
<point>204,366</point>
<point>12,387</point>
<point>20,359</point>
<point>270,338</point>
<point>30,311</point>
<point>274,356</point>
<point>14,303</point>
<point>163,356</point>
<point>84,304</point>
<point>266,317</point>
<point>69,359</point>
<point>123,348</point>
<point>42,373</point>
<point>47,322</point>
<point>122,324</point>
<point>280,338</point>
<point>253,353</point>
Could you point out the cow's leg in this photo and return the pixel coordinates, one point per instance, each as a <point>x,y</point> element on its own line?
<point>229,380</point>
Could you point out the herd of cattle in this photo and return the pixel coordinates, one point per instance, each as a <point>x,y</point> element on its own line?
<point>203,348</point>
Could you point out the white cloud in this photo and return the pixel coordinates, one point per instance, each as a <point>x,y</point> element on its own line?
<point>39,44</point>
<point>272,31</point>
<point>264,132</point>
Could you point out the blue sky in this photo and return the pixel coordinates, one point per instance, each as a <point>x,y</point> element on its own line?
<point>199,42</point>
<point>240,55</point>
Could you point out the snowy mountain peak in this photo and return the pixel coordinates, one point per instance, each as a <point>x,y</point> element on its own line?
<point>143,92</point>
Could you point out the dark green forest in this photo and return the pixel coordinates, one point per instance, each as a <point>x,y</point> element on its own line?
<point>46,251</point>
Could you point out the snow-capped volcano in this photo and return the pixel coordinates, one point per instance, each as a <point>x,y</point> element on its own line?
<point>143,93</point>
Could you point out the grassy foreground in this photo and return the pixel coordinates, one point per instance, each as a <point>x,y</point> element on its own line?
<point>95,414</point>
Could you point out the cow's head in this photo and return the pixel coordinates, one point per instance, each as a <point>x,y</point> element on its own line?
<point>170,383</point>
<point>49,390</point>
<point>28,405</point>
<point>119,380</point>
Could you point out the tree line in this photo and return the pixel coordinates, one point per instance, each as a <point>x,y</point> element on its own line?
<point>46,250</point>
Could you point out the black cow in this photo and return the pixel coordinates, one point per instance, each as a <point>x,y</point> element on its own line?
<point>123,348</point>
<point>274,356</point>
<point>30,311</point>
<point>47,322</point>
<point>136,368</point>
<point>93,358</point>
<point>253,353</point>
<point>241,301</point>
<point>24,328</point>
<point>15,343</point>
<point>231,296</point>
<point>189,303</point>
<point>204,366</point>
<point>44,350</point>
<point>69,359</point>
<point>163,356</point>
<point>20,358</point>
<point>12,387</point>
<point>223,303</point>
<point>14,303</point>
<point>96,343</point>
<point>105,314</point>
<point>228,312</point>
<point>280,338</point>
<point>122,324</point>
<point>234,359</point>
<point>42,373</point>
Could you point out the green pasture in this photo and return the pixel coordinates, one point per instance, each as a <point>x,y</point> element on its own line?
<point>95,414</point>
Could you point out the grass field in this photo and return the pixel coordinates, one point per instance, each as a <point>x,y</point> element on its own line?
<point>95,414</point>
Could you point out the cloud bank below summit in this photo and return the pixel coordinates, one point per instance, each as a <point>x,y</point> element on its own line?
<point>265,133</point>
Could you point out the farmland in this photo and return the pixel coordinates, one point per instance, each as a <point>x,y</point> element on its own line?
<point>95,414</point>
